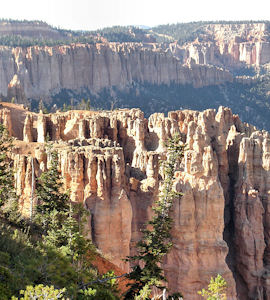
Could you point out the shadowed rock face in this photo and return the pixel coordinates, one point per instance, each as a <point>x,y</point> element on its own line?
<point>109,162</point>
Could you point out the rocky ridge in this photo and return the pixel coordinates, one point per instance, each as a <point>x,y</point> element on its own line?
<point>216,56</point>
<point>36,71</point>
<point>230,46</point>
<point>109,162</point>
<point>30,29</point>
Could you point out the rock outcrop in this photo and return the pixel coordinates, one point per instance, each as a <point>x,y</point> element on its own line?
<point>227,45</point>
<point>109,162</point>
<point>36,72</point>
<point>41,71</point>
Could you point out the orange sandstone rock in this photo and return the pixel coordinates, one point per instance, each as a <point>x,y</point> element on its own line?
<point>109,162</point>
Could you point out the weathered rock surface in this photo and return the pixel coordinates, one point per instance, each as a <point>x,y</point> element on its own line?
<point>227,45</point>
<point>36,72</point>
<point>39,72</point>
<point>109,162</point>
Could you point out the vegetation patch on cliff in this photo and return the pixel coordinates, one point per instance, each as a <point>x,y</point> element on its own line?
<point>250,101</point>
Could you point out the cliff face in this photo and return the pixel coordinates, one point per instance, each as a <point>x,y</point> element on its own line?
<point>227,45</point>
<point>36,72</point>
<point>109,162</point>
<point>40,72</point>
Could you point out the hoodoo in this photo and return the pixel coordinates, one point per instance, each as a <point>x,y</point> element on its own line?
<point>109,162</point>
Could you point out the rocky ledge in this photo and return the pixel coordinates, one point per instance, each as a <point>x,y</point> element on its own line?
<point>109,162</point>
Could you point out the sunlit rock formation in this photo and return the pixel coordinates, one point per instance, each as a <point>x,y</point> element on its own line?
<point>109,162</point>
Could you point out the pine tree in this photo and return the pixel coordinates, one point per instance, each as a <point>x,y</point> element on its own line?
<point>64,107</point>
<point>49,193</point>
<point>6,172</point>
<point>63,222</point>
<point>6,275</point>
<point>41,105</point>
<point>216,289</point>
<point>65,233</point>
<point>156,241</point>
<point>8,198</point>
<point>61,256</point>
<point>41,292</point>
<point>88,104</point>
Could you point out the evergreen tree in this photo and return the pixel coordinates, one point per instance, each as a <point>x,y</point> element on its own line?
<point>72,103</point>
<point>216,289</point>
<point>8,198</point>
<point>6,172</point>
<point>41,105</point>
<point>82,105</point>
<point>49,193</point>
<point>156,241</point>
<point>64,107</point>
<point>63,223</point>
<point>88,104</point>
<point>65,233</point>
<point>85,105</point>
<point>24,263</point>
<point>61,256</point>
<point>41,292</point>
<point>6,276</point>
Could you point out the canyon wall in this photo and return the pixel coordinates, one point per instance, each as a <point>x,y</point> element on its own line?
<point>109,162</point>
<point>227,45</point>
<point>41,71</point>
<point>231,55</point>
<point>36,72</point>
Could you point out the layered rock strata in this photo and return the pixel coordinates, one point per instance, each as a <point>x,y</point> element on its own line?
<point>227,45</point>
<point>109,162</point>
<point>41,72</point>
<point>36,72</point>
